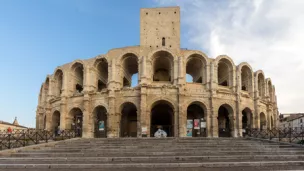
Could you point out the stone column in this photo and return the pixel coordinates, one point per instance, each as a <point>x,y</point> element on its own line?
<point>112,130</point>
<point>63,114</point>
<point>208,123</point>
<point>175,72</point>
<point>87,127</point>
<point>176,123</point>
<point>238,113</point>
<point>143,111</point>
<point>48,117</point>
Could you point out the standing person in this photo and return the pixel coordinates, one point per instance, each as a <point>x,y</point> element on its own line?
<point>9,130</point>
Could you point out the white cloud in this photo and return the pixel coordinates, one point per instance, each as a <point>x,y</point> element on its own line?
<point>268,34</point>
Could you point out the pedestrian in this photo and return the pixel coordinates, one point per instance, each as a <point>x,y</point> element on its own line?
<point>9,130</point>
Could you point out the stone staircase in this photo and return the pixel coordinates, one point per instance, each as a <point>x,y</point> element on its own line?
<point>156,154</point>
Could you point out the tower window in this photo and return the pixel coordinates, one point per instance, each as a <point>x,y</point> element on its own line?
<point>163,41</point>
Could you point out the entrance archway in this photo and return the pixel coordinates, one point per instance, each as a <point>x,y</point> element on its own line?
<point>247,120</point>
<point>100,122</point>
<point>162,117</point>
<point>225,125</point>
<point>56,122</point>
<point>262,121</point>
<point>128,124</point>
<point>75,121</point>
<point>195,114</point>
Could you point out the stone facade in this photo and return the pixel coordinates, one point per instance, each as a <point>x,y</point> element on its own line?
<point>226,96</point>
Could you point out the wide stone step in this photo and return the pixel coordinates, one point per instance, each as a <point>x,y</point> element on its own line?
<point>94,160</point>
<point>153,165</point>
<point>165,150</point>
<point>161,153</point>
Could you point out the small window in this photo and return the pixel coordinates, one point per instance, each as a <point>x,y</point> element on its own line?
<point>163,41</point>
<point>301,120</point>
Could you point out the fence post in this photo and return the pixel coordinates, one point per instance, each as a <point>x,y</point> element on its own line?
<point>24,139</point>
<point>46,136</point>
<point>9,141</point>
<point>289,135</point>
<point>36,137</point>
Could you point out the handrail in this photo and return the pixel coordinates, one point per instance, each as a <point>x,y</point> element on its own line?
<point>291,135</point>
<point>26,137</point>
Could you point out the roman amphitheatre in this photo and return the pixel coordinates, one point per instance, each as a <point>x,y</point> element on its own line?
<point>222,97</point>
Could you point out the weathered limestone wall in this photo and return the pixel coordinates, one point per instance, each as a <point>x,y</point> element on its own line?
<point>177,93</point>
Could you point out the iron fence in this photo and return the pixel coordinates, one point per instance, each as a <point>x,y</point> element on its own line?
<point>26,137</point>
<point>291,135</point>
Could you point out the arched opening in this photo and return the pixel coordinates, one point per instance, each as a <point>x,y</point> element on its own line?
<point>162,117</point>
<point>224,73</point>
<point>102,74</point>
<point>270,90</point>
<point>225,125</point>
<point>246,79</point>
<point>58,83</point>
<point>261,85</point>
<point>263,121</point>
<point>78,77</point>
<point>195,68</point>
<point>247,120</point>
<point>100,122</point>
<point>196,124</point>
<point>130,68</point>
<point>163,41</point>
<point>75,121</point>
<point>56,122</point>
<point>128,124</point>
<point>162,66</point>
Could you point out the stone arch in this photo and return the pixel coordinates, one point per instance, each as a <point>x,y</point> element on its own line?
<point>102,73</point>
<point>247,118</point>
<point>197,114</point>
<point>246,77</point>
<point>269,89</point>
<point>58,79</point>
<point>260,83</point>
<point>225,120</point>
<point>162,117</point>
<point>129,69</point>
<point>271,122</point>
<point>129,120</point>
<point>196,66</point>
<point>46,88</point>
<point>225,71</point>
<point>100,121</point>
<point>41,96</point>
<point>162,66</point>
<point>74,120</point>
<point>77,70</point>
<point>263,121</point>
<point>55,121</point>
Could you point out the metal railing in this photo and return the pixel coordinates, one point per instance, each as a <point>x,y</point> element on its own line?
<point>290,135</point>
<point>26,137</point>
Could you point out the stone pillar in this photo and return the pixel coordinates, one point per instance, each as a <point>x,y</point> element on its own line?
<point>214,125</point>
<point>143,110</point>
<point>238,113</point>
<point>208,123</point>
<point>48,117</point>
<point>63,114</point>
<point>112,129</point>
<point>213,128</point>
<point>176,123</point>
<point>175,72</point>
<point>87,127</point>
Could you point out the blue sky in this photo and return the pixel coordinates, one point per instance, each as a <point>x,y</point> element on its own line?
<point>37,36</point>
